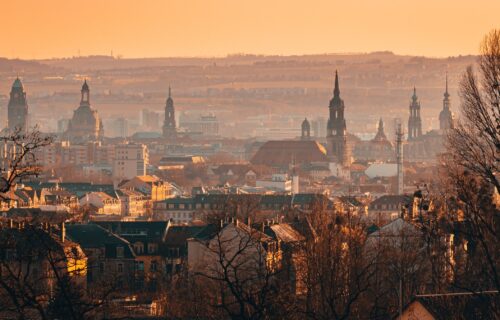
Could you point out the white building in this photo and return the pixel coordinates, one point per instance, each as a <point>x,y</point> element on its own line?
<point>130,161</point>
<point>278,182</point>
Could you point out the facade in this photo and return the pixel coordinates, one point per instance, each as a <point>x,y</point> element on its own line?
<point>169,127</point>
<point>85,126</point>
<point>109,256</point>
<point>414,121</point>
<point>146,239</point>
<point>152,186</point>
<point>18,107</point>
<point>102,202</point>
<point>134,203</point>
<point>336,129</point>
<point>204,125</point>
<point>261,251</point>
<point>131,160</point>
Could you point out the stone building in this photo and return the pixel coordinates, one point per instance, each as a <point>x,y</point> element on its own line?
<point>85,126</point>
<point>18,107</point>
<point>169,126</point>
<point>336,137</point>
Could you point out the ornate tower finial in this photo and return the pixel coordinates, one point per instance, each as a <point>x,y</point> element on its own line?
<point>169,91</point>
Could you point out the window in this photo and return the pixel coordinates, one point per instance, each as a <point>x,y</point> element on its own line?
<point>139,248</point>
<point>153,266</point>
<point>152,248</point>
<point>120,252</point>
<point>120,267</point>
<point>101,267</point>
<point>140,266</point>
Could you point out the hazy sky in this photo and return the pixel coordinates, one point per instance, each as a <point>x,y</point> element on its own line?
<point>152,28</point>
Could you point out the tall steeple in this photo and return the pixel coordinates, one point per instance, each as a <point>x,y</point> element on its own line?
<point>414,121</point>
<point>169,127</point>
<point>17,110</point>
<point>446,116</point>
<point>336,128</point>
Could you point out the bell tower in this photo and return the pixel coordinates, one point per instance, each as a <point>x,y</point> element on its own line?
<point>17,109</point>
<point>169,127</point>
<point>414,121</point>
<point>336,129</point>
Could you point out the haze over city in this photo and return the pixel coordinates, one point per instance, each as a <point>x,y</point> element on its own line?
<point>158,28</point>
<point>247,160</point>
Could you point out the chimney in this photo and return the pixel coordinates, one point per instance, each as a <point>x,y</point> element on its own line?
<point>221,223</point>
<point>63,232</point>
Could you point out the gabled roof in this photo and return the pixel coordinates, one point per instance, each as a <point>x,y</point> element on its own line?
<point>394,200</point>
<point>283,153</point>
<point>285,233</point>
<point>470,305</point>
<point>94,236</point>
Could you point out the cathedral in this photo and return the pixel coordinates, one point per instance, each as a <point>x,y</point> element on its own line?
<point>18,107</point>
<point>85,126</point>
<point>169,127</point>
<point>377,149</point>
<point>425,147</point>
<point>336,136</point>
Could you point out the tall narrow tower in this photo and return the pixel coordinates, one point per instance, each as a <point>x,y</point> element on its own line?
<point>306,130</point>
<point>399,157</point>
<point>18,107</point>
<point>336,135</point>
<point>169,128</point>
<point>414,121</point>
<point>446,116</point>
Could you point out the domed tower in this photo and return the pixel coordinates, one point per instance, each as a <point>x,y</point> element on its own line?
<point>18,107</point>
<point>336,135</point>
<point>169,127</point>
<point>85,126</point>
<point>306,130</point>
<point>414,121</point>
<point>446,116</point>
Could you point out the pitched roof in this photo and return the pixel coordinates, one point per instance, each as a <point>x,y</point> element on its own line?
<point>286,233</point>
<point>134,230</point>
<point>94,236</point>
<point>283,153</point>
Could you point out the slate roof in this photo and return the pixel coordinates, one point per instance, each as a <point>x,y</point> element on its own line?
<point>94,236</point>
<point>153,231</point>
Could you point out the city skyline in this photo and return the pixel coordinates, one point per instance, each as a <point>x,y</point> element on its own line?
<point>220,27</point>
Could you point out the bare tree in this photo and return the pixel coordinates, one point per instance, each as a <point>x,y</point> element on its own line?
<point>474,143</point>
<point>337,271</point>
<point>19,157</point>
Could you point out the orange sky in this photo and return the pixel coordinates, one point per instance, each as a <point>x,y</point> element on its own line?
<point>153,28</point>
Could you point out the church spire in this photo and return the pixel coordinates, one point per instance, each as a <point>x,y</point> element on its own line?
<point>336,90</point>
<point>169,92</point>
<point>446,94</point>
